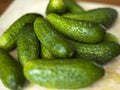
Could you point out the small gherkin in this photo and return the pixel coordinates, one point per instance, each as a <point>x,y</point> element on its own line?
<point>101,53</point>
<point>27,44</point>
<point>52,40</point>
<point>9,37</point>
<point>11,72</point>
<point>104,16</point>
<point>56,6</point>
<point>63,73</point>
<point>77,30</point>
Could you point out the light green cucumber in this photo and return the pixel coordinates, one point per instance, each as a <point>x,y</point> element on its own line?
<point>63,73</point>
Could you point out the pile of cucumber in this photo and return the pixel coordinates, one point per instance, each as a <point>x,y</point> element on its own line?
<point>66,50</point>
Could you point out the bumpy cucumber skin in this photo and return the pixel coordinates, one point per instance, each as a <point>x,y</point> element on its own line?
<point>100,53</point>
<point>56,6</point>
<point>9,37</point>
<point>27,44</point>
<point>63,74</point>
<point>11,72</point>
<point>73,7</point>
<point>77,30</point>
<point>52,40</point>
<point>45,53</point>
<point>104,16</point>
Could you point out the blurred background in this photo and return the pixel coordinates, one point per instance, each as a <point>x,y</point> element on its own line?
<point>5,3</point>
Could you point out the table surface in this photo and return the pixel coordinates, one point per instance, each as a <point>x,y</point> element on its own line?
<point>5,3</point>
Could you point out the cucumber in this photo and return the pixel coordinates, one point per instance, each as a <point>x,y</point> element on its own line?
<point>52,40</point>
<point>77,30</point>
<point>11,72</point>
<point>27,44</point>
<point>101,53</point>
<point>104,16</point>
<point>56,6</point>
<point>63,73</point>
<point>9,37</point>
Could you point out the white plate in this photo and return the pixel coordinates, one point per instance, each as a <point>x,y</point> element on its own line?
<point>111,80</point>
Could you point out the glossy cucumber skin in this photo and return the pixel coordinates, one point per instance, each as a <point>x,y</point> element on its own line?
<point>63,73</point>
<point>45,53</point>
<point>104,16</point>
<point>11,73</point>
<point>72,6</point>
<point>27,44</point>
<point>101,53</point>
<point>56,6</point>
<point>9,37</point>
<point>52,40</point>
<point>77,30</point>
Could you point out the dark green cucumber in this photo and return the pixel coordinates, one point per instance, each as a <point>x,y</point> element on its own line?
<point>104,16</point>
<point>27,44</point>
<point>77,30</point>
<point>63,74</point>
<point>56,6</point>
<point>11,72</point>
<point>73,7</point>
<point>52,40</point>
<point>8,39</point>
<point>45,53</point>
<point>102,52</point>
<point>111,37</point>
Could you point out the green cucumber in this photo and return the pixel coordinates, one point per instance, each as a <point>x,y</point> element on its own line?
<point>77,30</point>
<point>104,16</point>
<point>52,40</point>
<point>56,6</point>
<point>27,44</point>
<point>101,53</point>
<point>11,73</point>
<point>63,73</point>
<point>9,37</point>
